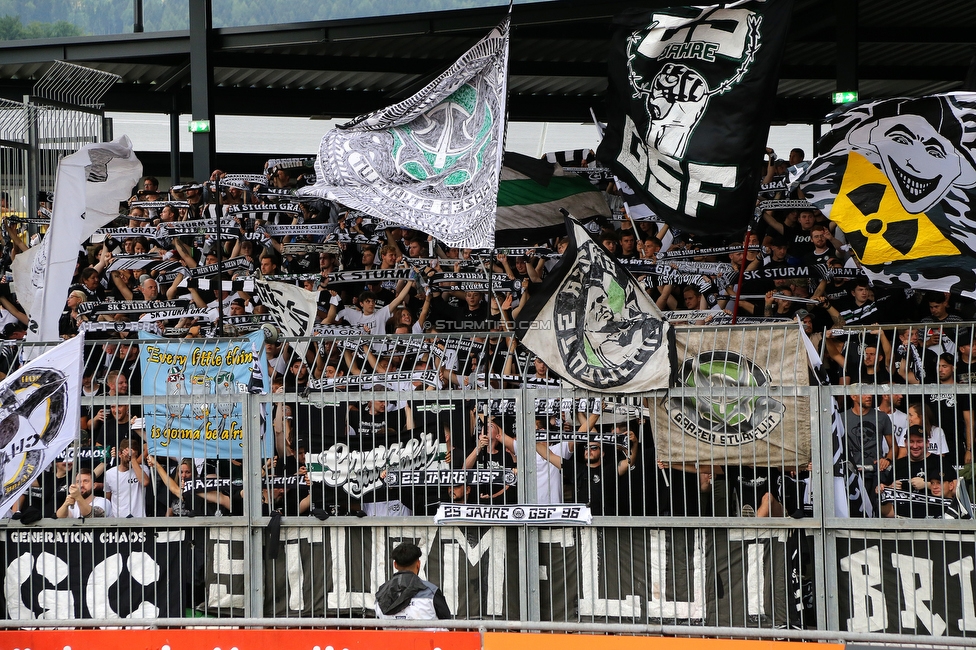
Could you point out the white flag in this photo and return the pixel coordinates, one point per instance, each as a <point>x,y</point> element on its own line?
<point>87,191</point>
<point>293,308</point>
<point>430,162</point>
<point>40,408</point>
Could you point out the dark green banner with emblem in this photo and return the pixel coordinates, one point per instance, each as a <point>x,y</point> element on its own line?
<point>898,177</point>
<point>690,99</point>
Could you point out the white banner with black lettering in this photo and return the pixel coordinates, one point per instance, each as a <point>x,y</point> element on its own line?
<point>558,514</point>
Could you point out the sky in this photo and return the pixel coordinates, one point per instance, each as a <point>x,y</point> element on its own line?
<point>277,136</point>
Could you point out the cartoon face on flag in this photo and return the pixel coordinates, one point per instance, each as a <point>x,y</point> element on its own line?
<point>593,325</point>
<point>432,161</point>
<point>898,177</point>
<point>691,91</point>
<point>922,163</point>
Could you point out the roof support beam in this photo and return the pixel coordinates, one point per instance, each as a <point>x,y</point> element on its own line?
<point>201,84</point>
<point>845,12</point>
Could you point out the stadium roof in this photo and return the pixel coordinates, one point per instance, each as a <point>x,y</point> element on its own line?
<point>558,59</point>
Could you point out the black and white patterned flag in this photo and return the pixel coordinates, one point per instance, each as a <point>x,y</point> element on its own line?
<point>898,176</point>
<point>691,92</point>
<point>293,308</point>
<point>593,325</point>
<point>432,161</point>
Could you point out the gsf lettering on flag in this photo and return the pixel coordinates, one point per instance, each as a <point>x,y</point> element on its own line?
<point>692,91</point>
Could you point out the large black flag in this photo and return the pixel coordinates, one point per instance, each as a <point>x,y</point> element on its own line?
<point>690,97</point>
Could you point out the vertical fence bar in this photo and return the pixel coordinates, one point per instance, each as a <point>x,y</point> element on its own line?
<point>530,598</point>
<point>817,480</point>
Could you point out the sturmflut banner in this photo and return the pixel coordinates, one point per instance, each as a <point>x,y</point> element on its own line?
<point>904,583</point>
<point>193,395</point>
<point>614,574</point>
<point>691,95</point>
<point>754,420</point>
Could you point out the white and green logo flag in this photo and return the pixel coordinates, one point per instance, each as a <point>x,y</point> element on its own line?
<point>432,161</point>
<point>737,398</point>
<point>594,326</point>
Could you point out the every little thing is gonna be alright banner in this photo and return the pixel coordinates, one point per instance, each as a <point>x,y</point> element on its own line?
<point>194,394</point>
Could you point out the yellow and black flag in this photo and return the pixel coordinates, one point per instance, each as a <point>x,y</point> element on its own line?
<point>898,177</point>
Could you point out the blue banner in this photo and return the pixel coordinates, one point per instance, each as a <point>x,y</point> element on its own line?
<point>177,377</point>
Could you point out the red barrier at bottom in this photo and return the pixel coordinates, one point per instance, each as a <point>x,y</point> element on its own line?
<point>509,641</point>
<point>230,639</point>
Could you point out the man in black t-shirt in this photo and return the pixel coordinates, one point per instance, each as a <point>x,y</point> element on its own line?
<point>598,483</point>
<point>800,236</point>
<point>953,412</point>
<point>966,364</point>
<point>822,250</point>
<point>909,473</point>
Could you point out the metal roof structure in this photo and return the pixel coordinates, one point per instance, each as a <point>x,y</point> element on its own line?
<point>558,68</point>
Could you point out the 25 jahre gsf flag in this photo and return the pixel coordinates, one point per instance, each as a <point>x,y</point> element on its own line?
<point>689,108</point>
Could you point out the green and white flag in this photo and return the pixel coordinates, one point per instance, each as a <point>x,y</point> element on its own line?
<point>532,195</point>
<point>594,326</point>
<point>430,162</point>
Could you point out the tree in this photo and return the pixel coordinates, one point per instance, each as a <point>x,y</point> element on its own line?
<point>12,29</point>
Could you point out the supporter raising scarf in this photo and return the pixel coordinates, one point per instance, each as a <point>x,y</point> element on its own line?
<point>691,92</point>
<point>593,325</point>
<point>898,176</point>
<point>432,161</point>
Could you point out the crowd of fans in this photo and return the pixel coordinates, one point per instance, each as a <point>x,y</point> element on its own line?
<point>421,330</point>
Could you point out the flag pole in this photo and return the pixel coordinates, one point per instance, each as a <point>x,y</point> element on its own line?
<point>742,265</point>
<point>219,213</point>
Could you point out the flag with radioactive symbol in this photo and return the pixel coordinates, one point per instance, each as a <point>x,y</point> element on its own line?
<point>876,225</point>
<point>898,177</point>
